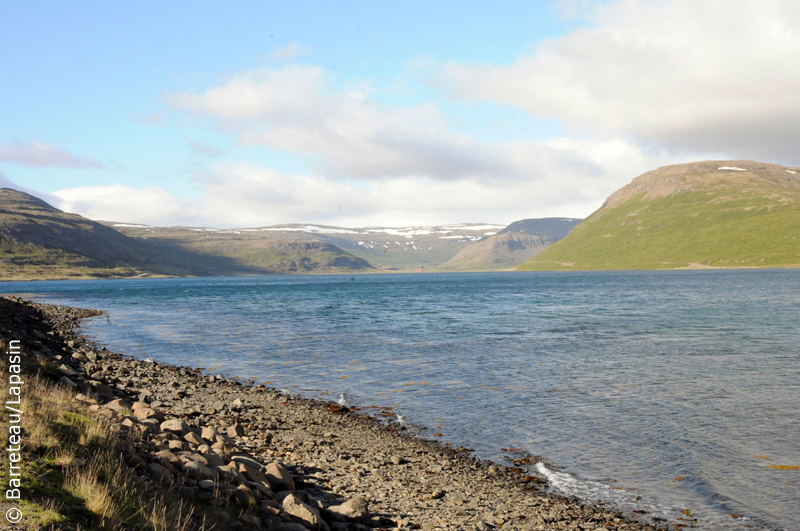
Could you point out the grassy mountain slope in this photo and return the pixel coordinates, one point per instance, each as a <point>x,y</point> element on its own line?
<point>705,214</point>
<point>511,246</point>
<point>386,248</point>
<point>38,241</point>
<point>248,253</point>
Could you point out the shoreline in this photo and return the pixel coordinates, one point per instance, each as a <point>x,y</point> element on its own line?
<point>334,456</point>
<point>690,267</point>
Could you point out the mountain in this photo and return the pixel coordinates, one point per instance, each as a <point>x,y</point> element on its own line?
<point>511,246</point>
<point>38,241</point>
<point>386,248</point>
<point>705,214</point>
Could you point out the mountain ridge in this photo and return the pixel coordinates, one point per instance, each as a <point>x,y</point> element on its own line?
<point>704,214</point>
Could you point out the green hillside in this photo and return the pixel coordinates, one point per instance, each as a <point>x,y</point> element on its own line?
<point>38,241</point>
<point>706,214</point>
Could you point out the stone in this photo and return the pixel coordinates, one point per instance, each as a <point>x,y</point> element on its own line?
<point>304,513</point>
<point>193,438</point>
<point>207,484</point>
<point>230,474</point>
<point>118,404</point>
<point>100,376</point>
<point>289,526</point>
<point>214,460</point>
<point>176,426</point>
<point>236,525</point>
<point>253,522</point>
<point>99,388</point>
<point>173,459</point>
<point>159,474</point>
<point>356,509</point>
<point>66,370</point>
<point>91,356</point>
<point>252,474</point>
<point>243,495</point>
<point>236,430</point>
<point>209,434</point>
<point>244,460</point>
<point>279,478</point>
<point>198,471</point>
<point>66,383</point>
<point>176,445</point>
<point>397,460</point>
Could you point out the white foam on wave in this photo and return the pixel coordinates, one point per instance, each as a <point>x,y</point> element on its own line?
<point>627,501</point>
<point>342,400</point>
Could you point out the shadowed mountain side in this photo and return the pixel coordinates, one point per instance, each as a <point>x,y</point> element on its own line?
<point>502,251</point>
<point>255,254</point>
<point>38,241</point>
<point>704,214</point>
<point>555,228</point>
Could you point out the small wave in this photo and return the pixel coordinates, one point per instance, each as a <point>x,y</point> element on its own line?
<point>343,400</point>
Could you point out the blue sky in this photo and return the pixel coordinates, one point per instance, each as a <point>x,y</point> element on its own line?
<point>357,113</point>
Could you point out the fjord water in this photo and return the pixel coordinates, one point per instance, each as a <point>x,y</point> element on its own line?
<point>661,391</point>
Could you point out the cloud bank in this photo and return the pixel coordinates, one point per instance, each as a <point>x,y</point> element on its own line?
<point>712,76</point>
<point>42,155</point>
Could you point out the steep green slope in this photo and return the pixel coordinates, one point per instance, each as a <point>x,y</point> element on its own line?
<point>511,246</point>
<point>706,214</point>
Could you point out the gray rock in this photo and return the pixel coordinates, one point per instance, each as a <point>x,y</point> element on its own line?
<point>236,430</point>
<point>159,473</point>
<point>279,478</point>
<point>193,438</point>
<point>66,370</point>
<point>304,513</point>
<point>209,434</point>
<point>176,426</point>
<point>356,509</point>
<point>66,383</point>
<point>198,471</point>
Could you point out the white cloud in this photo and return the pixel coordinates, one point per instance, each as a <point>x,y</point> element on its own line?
<point>288,52</point>
<point>44,155</point>
<point>346,134</point>
<point>152,206</point>
<point>205,149</point>
<point>570,179</point>
<point>692,76</point>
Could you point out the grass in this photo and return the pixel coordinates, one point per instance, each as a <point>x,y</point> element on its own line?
<point>718,227</point>
<point>72,472</point>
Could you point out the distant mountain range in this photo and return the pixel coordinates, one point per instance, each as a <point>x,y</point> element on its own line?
<point>707,214</point>
<point>40,241</point>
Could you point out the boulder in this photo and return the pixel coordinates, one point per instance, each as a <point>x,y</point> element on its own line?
<point>356,509</point>
<point>193,438</point>
<point>279,478</point>
<point>304,513</point>
<point>119,404</point>
<point>198,471</point>
<point>176,426</point>
<point>236,430</point>
<point>66,383</point>
<point>159,474</point>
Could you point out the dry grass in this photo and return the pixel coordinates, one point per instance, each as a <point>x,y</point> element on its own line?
<point>73,475</point>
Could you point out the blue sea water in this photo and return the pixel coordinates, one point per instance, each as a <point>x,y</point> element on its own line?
<point>664,391</point>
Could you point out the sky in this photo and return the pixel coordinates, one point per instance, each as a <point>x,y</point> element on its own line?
<point>364,113</point>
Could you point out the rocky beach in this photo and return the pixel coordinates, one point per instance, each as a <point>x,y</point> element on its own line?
<point>251,457</point>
